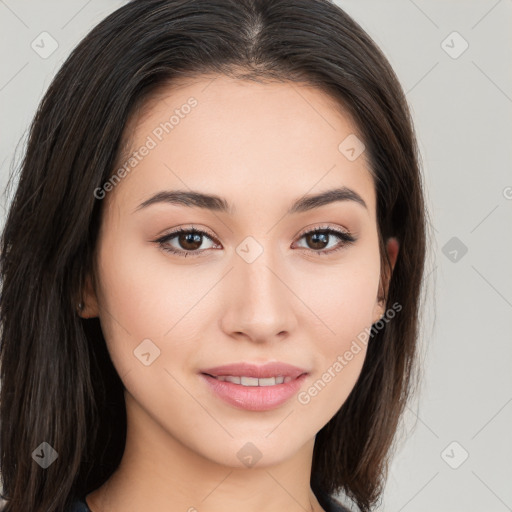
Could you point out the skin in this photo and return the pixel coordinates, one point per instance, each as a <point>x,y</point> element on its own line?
<point>260,146</point>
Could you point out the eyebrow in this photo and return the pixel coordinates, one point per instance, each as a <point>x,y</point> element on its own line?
<point>194,199</point>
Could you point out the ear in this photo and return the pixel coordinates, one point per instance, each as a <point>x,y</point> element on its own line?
<point>392,248</point>
<point>89,300</point>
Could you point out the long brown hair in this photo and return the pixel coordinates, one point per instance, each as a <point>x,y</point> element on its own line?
<point>57,381</point>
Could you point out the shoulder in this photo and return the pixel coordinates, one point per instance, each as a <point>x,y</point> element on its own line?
<point>335,506</point>
<point>78,505</point>
<point>329,503</point>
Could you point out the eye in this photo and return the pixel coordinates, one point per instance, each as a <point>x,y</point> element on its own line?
<point>191,239</point>
<point>319,238</point>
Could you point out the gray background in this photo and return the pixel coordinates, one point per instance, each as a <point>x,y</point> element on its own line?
<point>461,104</point>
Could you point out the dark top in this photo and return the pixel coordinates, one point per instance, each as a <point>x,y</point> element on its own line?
<point>328,503</point>
<point>79,505</point>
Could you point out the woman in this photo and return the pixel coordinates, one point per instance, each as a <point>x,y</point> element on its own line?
<point>212,266</point>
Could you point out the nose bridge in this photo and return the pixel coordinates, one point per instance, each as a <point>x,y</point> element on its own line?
<point>261,302</point>
<point>257,266</point>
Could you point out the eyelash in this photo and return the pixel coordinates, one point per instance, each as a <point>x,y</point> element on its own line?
<point>346,237</point>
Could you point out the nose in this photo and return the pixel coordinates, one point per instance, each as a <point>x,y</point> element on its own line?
<point>260,305</point>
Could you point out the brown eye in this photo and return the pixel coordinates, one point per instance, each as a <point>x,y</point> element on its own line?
<point>186,242</point>
<point>190,241</point>
<point>318,239</point>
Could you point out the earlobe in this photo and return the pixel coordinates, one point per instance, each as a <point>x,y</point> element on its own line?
<point>392,246</point>
<point>88,305</point>
<point>378,311</point>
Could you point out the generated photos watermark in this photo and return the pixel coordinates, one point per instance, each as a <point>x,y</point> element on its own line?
<point>152,140</point>
<point>304,397</point>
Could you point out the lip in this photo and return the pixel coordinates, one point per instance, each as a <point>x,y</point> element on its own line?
<point>255,398</point>
<point>258,371</point>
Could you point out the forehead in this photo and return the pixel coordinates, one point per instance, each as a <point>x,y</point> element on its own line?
<point>244,139</point>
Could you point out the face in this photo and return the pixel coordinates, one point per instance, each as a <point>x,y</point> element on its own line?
<point>254,284</point>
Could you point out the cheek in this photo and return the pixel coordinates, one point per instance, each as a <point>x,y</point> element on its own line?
<point>344,304</point>
<point>148,305</point>
<point>342,297</point>
<point>339,359</point>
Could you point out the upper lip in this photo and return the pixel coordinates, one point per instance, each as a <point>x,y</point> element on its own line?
<point>272,369</point>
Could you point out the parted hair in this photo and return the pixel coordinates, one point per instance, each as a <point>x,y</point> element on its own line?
<point>58,383</point>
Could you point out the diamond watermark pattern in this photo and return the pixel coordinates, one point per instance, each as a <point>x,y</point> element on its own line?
<point>351,147</point>
<point>44,455</point>
<point>454,249</point>
<point>454,455</point>
<point>454,45</point>
<point>249,249</point>
<point>146,352</point>
<point>249,454</point>
<point>44,45</point>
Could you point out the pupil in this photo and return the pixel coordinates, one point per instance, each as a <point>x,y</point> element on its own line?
<point>190,238</point>
<point>319,238</point>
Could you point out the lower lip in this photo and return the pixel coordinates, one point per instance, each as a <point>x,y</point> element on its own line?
<point>254,398</point>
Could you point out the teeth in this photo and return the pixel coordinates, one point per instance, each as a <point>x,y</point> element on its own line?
<point>249,381</point>
<point>253,381</point>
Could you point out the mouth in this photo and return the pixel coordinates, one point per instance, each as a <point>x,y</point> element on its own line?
<point>252,381</point>
<point>255,388</point>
